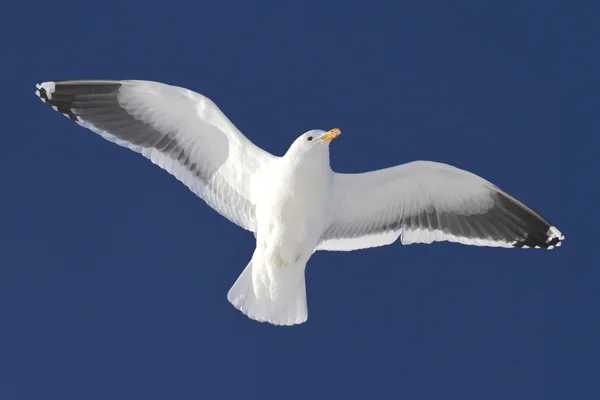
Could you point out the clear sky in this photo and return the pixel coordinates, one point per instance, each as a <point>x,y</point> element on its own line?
<point>113,276</point>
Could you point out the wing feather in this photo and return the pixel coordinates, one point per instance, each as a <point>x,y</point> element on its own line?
<point>425,202</point>
<point>177,129</point>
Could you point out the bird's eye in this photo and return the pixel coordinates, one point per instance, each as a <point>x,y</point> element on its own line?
<point>309,138</point>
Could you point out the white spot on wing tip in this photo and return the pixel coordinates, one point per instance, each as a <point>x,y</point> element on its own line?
<point>37,93</point>
<point>49,87</point>
<point>555,233</point>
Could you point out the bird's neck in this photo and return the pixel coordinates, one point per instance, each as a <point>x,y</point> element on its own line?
<point>297,169</point>
<point>317,161</point>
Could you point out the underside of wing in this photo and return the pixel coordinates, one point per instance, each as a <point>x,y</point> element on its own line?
<point>425,202</point>
<point>177,129</point>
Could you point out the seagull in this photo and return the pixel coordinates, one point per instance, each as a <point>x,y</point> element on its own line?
<point>294,204</point>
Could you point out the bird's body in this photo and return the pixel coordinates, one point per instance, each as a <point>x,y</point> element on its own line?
<point>294,204</point>
<point>292,214</point>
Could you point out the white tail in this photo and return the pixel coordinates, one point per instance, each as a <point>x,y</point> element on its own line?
<point>286,310</point>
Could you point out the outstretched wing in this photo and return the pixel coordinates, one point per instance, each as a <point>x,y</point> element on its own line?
<point>424,202</point>
<point>181,131</point>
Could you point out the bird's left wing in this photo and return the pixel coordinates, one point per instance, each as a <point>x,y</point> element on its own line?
<point>180,130</point>
<point>424,202</point>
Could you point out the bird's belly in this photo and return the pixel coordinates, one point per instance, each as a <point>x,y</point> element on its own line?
<point>291,217</point>
<point>289,233</point>
<point>287,243</point>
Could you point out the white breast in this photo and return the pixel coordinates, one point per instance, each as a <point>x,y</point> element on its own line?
<point>292,213</point>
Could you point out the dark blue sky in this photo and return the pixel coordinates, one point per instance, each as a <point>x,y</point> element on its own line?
<point>114,276</point>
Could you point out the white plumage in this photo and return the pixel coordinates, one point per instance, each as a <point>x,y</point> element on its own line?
<point>294,204</point>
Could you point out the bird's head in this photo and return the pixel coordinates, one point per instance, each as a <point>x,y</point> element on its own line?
<point>313,143</point>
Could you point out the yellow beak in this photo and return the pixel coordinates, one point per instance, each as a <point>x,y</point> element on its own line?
<point>332,134</point>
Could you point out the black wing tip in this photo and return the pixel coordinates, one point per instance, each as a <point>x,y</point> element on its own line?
<point>554,238</point>
<point>45,90</point>
<point>61,95</point>
<point>534,231</point>
<point>41,90</point>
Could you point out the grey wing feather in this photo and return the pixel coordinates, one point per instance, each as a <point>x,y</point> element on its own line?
<point>179,130</point>
<point>425,202</point>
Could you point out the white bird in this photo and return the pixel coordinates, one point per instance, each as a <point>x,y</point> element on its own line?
<point>294,204</point>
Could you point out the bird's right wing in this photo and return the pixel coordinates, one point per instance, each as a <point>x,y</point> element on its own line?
<point>424,202</point>
<point>180,130</point>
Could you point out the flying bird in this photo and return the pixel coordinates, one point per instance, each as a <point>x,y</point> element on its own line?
<point>294,204</point>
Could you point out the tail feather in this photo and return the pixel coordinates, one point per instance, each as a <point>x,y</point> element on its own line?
<point>242,296</point>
